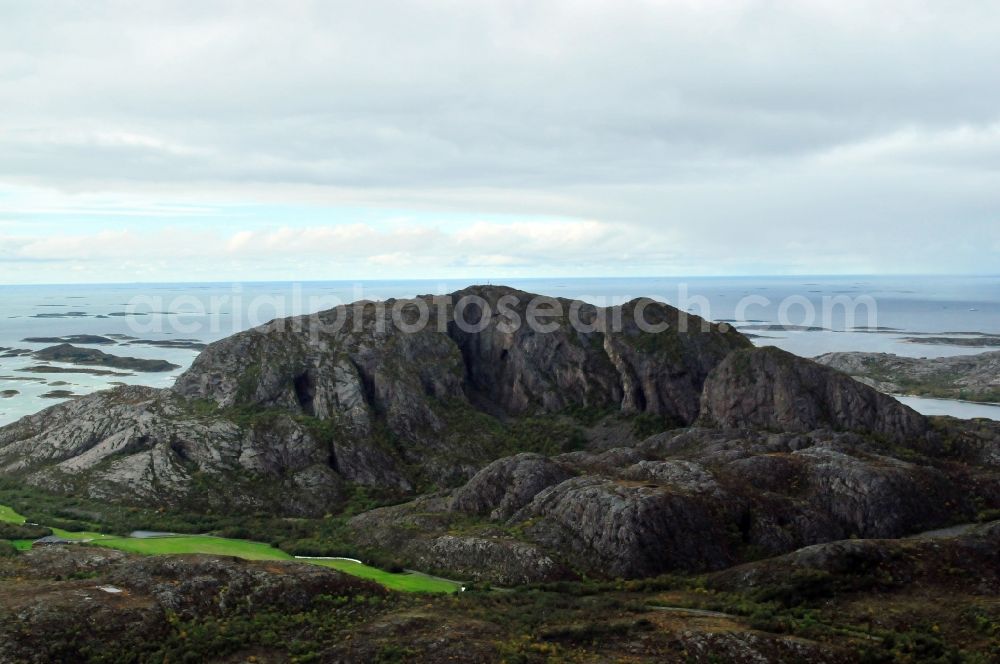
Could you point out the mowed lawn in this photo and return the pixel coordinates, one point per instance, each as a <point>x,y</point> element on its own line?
<point>246,549</point>
<point>219,546</point>
<point>410,582</point>
<point>8,515</point>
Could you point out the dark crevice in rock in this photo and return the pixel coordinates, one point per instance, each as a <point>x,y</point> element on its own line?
<point>367,385</point>
<point>640,399</point>
<point>180,451</point>
<point>305,392</point>
<point>466,344</point>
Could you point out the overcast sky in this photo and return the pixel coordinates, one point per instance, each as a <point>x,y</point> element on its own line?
<point>357,140</point>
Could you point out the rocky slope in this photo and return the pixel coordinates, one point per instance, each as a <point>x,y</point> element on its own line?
<point>77,603</point>
<point>572,458</point>
<point>693,499</point>
<point>968,377</point>
<point>898,563</point>
<point>147,446</point>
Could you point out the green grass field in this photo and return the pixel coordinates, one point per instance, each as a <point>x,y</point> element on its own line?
<point>10,516</point>
<point>248,550</point>
<point>196,544</point>
<point>416,583</point>
<point>220,546</point>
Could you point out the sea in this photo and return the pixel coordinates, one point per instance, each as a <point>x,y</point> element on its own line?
<point>811,315</point>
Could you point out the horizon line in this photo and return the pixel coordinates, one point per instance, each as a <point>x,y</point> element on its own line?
<point>499,281</point>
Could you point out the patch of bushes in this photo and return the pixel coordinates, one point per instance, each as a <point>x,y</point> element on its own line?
<point>986,516</point>
<point>913,646</point>
<point>799,587</point>
<point>327,536</point>
<point>488,438</point>
<point>591,632</point>
<point>18,531</point>
<point>589,415</point>
<point>645,425</point>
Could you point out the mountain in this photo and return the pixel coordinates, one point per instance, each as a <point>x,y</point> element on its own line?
<point>288,416</point>
<point>625,441</point>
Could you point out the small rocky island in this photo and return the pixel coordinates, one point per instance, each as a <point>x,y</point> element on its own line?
<point>70,354</point>
<point>966,377</point>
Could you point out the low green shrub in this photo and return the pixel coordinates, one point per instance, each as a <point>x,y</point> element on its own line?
<point>16,531</point>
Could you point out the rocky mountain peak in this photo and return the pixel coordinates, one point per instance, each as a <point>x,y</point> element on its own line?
<point>494,346</point>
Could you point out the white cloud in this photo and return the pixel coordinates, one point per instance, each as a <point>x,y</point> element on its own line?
<point>483,244</point>
<point>675,135</point>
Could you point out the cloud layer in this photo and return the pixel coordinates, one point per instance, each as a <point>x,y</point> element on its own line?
<point>714,136</point>
<point>406,249</point>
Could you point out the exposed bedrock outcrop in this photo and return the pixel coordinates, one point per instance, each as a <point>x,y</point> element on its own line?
<point>141,445</point>
<point>695,499</point>
<point>769,388</point>
<point>508,484</point>
<point>864,563</point>
<point>618,528</point>
<point>430,536</point>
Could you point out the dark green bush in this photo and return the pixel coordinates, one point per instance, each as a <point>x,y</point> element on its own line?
<point>7,549</point>
<point>16,531</point>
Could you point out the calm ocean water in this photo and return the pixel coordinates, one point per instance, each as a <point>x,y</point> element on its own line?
<point>832,307</point>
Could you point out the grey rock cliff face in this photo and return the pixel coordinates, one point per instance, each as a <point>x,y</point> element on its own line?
<point>704,506</point>
<point>347,367</point>
<point>349,363</point>
<point>769,388</point>
<point>613,362</point>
